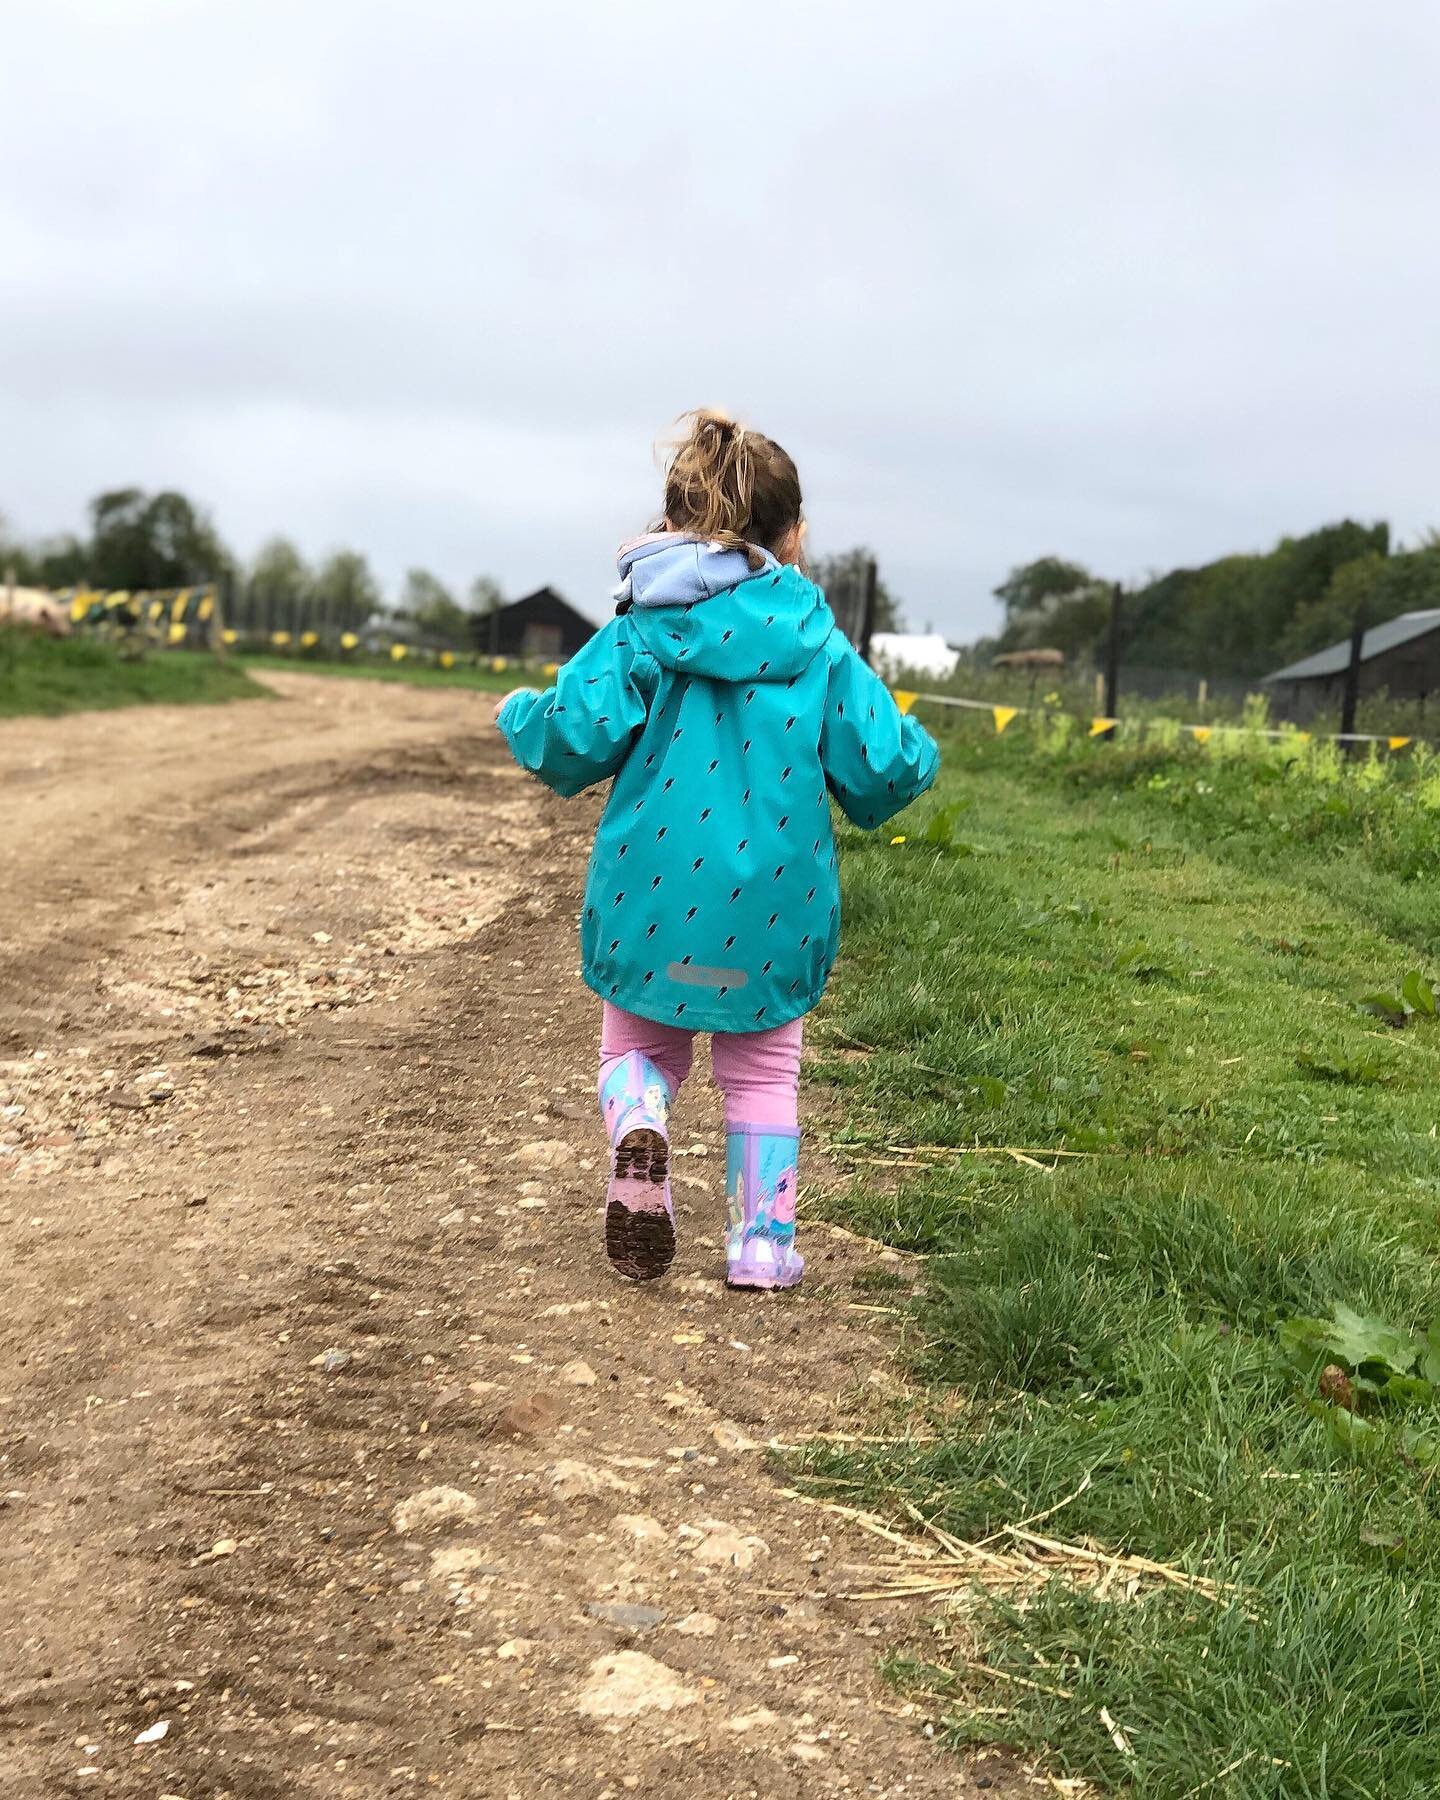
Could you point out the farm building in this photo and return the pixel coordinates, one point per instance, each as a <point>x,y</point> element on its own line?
<point>541,624</point>
<point>1400,657</point>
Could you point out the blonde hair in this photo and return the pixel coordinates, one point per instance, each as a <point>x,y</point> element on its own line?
<point>729,484</point>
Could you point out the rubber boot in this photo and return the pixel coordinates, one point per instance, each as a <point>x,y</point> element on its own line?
<point>639,1215</point>
<point>760,1186</point>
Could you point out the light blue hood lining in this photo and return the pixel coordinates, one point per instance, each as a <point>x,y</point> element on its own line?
<point>671,568</point>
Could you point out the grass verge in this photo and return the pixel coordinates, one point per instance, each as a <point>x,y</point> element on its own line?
<point>50,676</point>
<point>1089,968</point>
<point>414,674</point>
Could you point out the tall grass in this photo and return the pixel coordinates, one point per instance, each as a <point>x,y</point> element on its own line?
<point>1062,955</point>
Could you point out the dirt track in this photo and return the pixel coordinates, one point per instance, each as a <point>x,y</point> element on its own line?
<point>296,1062</point>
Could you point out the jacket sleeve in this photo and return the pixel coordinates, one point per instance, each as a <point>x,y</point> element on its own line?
<point>876,760</point>
<point>580,730</point>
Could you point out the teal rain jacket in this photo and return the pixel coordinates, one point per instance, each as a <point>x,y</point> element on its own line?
<point>713,900</point>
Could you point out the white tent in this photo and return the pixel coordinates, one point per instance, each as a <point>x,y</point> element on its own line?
<point>894,652</point>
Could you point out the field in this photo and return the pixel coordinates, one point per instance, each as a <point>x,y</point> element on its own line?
<point>50,676</point>
<point>1190,972</point>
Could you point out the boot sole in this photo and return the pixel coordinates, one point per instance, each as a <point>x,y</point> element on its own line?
<point>640,1242</point>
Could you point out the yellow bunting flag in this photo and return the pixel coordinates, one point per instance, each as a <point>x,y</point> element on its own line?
<point>79,606</point>
<point>498,664</point>
<point>229,635</point>
<point>550,670</point>
<point>904,699</point>
<point>155,609</point>
<point>1002,716</point>
<point>205,609</point>
<point>177,632</point>
<point>447,659</point>
<point>348,640</point>
<point>179,603</point>
<point>279,639</point>
<point>1098,727</point>
<point>1201,733</point>
<point>397,653</point>
<point>1397,743</point>
<point>309,639</point>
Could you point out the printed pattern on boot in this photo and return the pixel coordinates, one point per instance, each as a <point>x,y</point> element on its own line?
<point>761,1183</point>
<point>639,1215</point>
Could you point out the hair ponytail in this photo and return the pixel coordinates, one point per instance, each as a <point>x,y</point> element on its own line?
<point>729,484</point>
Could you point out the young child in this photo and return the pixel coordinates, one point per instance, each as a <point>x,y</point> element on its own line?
<point>727,709</point>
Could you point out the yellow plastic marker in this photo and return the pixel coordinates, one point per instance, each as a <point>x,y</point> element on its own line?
<point>1099,726</point>
<point>1003,715</point>
<point>1398,743</point>
<point>397,653</point>
<point>1201,733</point>
<point>309,639</point>
<point>348,640</point>
<point>447,659</point>
<point>229,635</point>
<point>79,606</point>
<point>177,632</point>
<point>279,639</point>
<point>179,603</point>
<point>904,699</point>
<point>205,609</point>
<point>550,670</point>
<point>497,663</point>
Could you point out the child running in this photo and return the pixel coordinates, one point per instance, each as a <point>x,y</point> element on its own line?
<point>727,708</point>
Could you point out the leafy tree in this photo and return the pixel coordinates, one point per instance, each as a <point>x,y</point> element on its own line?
<point>843,573</point>
<point>1033,586</point>
<point>427,600</point>
<point>141,540</point>
<point>279,587</point>
<point>345,590</point>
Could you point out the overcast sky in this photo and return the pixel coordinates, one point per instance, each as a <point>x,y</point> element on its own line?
<point>1134,281</point>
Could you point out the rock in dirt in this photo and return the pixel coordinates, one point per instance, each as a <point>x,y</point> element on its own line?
<point>723,1547</point>
<point>698,1624</point>
<point>728,1435</point>
<point>578,1374</point>
<point>574,1480</point>
<point>515,1649</point>
<point>624,1616</point>
<point>433,1508</point>
<point>332,1361</point>
<point>759,1720</point>
<point>546,1153</point>
<point>532,1415</point>
<point>642,1528</point>
<point>626,1683</point>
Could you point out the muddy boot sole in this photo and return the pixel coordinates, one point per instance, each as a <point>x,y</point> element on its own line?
<point>640,1241</point>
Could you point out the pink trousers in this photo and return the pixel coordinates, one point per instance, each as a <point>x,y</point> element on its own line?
<point>758,1071</point>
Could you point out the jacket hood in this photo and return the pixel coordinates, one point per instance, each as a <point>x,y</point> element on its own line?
<point>704,609</point>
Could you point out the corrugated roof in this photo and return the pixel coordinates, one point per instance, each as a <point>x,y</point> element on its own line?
<point>1377,640</point>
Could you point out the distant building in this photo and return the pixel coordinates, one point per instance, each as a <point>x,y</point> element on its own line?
<point>1402,657</point>
<point>542,624</point>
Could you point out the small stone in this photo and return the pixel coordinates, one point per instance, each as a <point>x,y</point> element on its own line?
<point>642,1528</point>
<point>573,1480</point>
<point>626,1683</point>
<point>516,1650</point>
<point>154,1734</point>
<point>698,1624</point>
<point>127,1099</point>
<point>546,1153</point>
<point>578,1374</point>
<point>808,1753</point>
<point>332,1361</point>
<point>759,1720</point>
<point>729,1436</point>
<point>533,1415</point>
<point>624,1616</point>
<point>432,1508</point>
<point>195,1199</point>
<point>457,1562</point>
<point>723,1547</point>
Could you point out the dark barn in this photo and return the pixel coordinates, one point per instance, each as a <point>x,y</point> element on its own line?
<point>541,625</point>
<point>1400,657</point>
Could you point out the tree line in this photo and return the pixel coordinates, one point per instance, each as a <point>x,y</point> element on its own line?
<point>143,542</point>
<point>1240,616</point>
